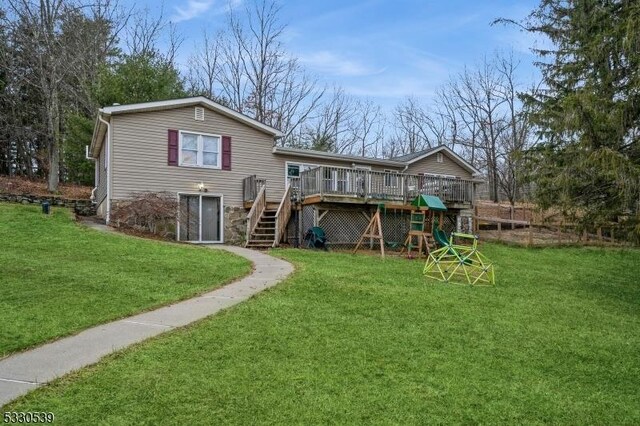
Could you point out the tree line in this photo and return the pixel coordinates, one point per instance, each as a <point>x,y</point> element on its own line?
<point>65,58</point>
<point>573,134</point>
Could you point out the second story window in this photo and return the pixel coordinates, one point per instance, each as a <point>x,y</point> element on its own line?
<point>199,150</point>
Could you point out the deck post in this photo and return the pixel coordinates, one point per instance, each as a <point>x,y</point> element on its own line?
<point>405,189</point>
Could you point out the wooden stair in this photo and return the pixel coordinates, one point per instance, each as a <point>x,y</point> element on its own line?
<point>264,233</point>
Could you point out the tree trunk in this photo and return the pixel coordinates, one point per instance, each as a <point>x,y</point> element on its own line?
<point>53,142</point>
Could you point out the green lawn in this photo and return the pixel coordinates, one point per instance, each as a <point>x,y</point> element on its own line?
<point>352,339</point>
<point>58,277</point>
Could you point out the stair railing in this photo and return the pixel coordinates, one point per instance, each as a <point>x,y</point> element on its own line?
<point>257,209</point>
<point>282,216</point>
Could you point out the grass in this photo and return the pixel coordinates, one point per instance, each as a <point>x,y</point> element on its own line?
<point>351,339</point>
<point>59,278</point>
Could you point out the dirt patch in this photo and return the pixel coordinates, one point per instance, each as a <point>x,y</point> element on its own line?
<point>521,236</point>
<point>23,186</point>
<point>520,211</point>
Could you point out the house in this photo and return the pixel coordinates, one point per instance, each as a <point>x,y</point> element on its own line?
<point>235,186</point>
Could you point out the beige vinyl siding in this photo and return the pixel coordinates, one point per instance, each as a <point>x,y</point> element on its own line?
<point>101,184</point>
<point>140,155</point>
<point>431,165</point>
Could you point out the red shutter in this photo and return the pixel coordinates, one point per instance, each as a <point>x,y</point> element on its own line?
<point>226,153</point>
<point>172,158</point>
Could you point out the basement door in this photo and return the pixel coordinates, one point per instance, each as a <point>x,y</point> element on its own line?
<point>200,218</point>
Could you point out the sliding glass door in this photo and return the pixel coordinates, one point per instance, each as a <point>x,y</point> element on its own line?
<point>200,218</point>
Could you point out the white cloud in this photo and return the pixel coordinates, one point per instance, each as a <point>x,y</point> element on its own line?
<point>193,9</point>
<point>401,87</point>
<point>326,62</point>
<point>196,8</point>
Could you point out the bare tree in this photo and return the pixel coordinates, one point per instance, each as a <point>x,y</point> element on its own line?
<point>258,77</point>
<point>204,65</point>
<point>144,32</point>
<point>412,133</point>
<point>329,129</point>
<point>54,53</point>
<point>479,94</point>
<point>517,137</point>
<point>92,35</point>
<point>366,128</point>
<point>478,113</point>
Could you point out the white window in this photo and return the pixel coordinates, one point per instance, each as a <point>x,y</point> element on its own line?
<point>391,178</point>
<point>200,150</point>
<point>439,157</point>
<point>293,170</point>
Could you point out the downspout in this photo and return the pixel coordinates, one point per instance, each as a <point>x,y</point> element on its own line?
<point>95,173</point>
<point>107,151</point>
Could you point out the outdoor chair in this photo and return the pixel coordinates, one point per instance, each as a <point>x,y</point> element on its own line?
<point>316,238</point>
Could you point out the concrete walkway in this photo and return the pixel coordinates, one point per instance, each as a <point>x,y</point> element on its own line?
<point>25,371</point>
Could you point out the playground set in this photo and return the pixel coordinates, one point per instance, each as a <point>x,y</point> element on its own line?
<point>452,259</point>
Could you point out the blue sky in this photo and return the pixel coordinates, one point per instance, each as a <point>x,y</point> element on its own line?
<point>380,49</point>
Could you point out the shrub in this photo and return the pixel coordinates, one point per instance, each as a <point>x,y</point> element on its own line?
<point>154,212</point>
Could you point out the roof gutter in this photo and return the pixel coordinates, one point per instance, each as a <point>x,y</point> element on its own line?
<point>331,156</point>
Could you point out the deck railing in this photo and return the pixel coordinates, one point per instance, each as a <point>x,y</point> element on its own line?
<point>282,216</point>
<point>295,192</point>
<point>337,181</point>
<point>251,185</point>
<point>258,207</point>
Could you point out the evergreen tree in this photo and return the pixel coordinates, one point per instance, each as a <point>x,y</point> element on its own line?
<point>588,164</point>
<point>78,133</point>
<point>139,77</point>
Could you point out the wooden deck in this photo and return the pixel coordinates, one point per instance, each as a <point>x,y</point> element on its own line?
<point>337,185</point>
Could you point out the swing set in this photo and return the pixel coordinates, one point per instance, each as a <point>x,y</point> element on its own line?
<point>422,214</point>
<point>453,262</point>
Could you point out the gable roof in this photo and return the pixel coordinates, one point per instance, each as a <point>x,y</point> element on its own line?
<point>309,153</point>
<point>417,156</point>
<point>108,111</point>
<point>193,101</point>
<point>409,157</point>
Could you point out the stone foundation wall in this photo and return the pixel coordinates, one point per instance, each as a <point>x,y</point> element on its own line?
<point>80,207</point>
<point>235,225</point>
